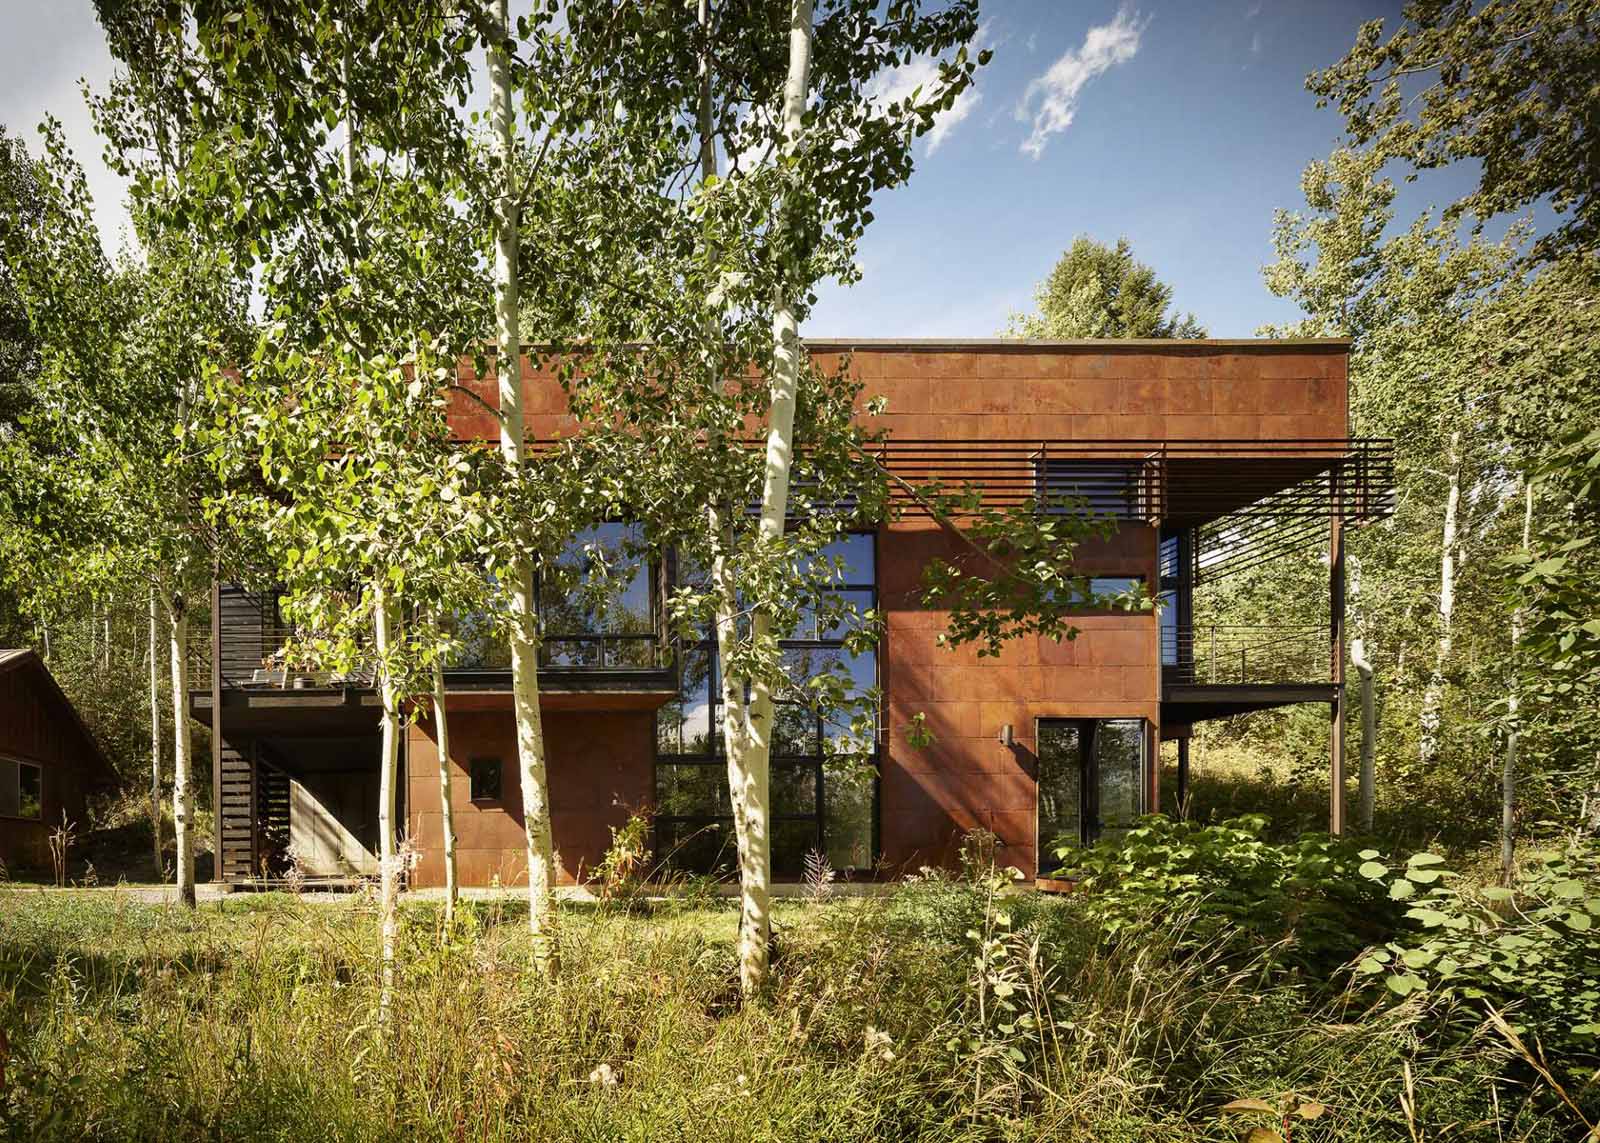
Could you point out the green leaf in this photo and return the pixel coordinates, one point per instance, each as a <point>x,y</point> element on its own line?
<point>1430,918</point>
<point>1404,984</point>
<point>1247,1104</point>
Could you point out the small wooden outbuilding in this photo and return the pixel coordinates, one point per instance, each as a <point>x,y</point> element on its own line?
<point>49,762</point>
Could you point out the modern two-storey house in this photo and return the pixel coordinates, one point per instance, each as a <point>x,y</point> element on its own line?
<point>1210,454</point>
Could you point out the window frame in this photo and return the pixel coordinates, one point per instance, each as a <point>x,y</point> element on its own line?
<point>606,641</point>
<point>816,761</point>
<point>498,797</point>
<point>1090,825</point>
<point>17,763</point>
<point>608,644</point>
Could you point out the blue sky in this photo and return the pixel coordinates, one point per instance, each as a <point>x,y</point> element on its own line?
<point>1189,124</point>
<point>1185,146</point>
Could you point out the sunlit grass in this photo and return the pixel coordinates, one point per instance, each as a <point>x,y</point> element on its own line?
<point>253,1018</point>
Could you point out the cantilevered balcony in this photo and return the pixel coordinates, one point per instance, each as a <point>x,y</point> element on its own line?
<point>1212,670</point>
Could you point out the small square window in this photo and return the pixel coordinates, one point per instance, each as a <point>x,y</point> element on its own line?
<point>485,779</point>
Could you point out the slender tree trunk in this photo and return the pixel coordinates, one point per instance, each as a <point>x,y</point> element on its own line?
<point>447,818</point>
<point>182,747</point>
<point>748,750</point>
<point>523,624</point>
<point>388,857</point>
<point>1367,789</point>
<point>1433,694</point>
<point>748,753</point>
<point>1508,770</point>
<point>750,747</point>
<point>155,731</point>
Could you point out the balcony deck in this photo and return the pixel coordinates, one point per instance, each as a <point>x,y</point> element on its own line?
<point>1215,670</point>
<point>257,689</point>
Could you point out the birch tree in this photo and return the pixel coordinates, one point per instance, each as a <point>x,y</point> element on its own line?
<point>126,347</point>
<point>692,378</point>
<point>505,212</point>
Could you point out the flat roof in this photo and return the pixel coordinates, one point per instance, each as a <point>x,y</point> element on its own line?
<point>1098,344</point>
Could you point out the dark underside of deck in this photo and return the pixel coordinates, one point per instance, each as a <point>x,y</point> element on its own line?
<point>1184,703</point>
<point>343,710</point>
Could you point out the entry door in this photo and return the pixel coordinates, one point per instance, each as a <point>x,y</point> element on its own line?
<point>1091,780</point>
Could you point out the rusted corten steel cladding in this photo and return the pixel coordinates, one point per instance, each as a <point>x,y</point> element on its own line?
<point>602,752</point>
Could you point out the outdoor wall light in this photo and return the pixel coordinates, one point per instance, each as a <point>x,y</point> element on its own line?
<point>1007,736</point>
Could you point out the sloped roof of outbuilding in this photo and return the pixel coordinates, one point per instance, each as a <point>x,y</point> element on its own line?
<point>27,659</point>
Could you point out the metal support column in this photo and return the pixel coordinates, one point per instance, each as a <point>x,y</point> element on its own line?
<point>216,721</point>
<point>1336,656</point>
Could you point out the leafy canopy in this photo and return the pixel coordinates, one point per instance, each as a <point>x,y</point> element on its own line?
<point>1512,84</point>
<point>1102,291</point>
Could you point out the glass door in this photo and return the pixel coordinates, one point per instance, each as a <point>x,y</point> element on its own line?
<point>1091,780</point>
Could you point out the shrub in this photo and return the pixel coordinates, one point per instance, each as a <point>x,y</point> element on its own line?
<point>1307,896</point>
<point>622,870</point>
<point>1534,947</point>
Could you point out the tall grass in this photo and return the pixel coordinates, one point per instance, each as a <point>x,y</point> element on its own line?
<point>945,1011</point>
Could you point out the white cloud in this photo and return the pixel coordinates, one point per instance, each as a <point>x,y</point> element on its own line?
<point>1051,100</point>
<point>898,83</point>
<point>44,51</point>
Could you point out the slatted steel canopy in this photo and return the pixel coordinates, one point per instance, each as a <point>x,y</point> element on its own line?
<point>1174,483</point>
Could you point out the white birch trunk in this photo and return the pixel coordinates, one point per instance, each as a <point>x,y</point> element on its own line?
<point>523,624</point>
<point>749,752</point>
<point>748,764</point>
<point>1367,787</point>
<point>1433,693</point>
<point>388,857</point>
<point>182,748</point>
<point>447,817</point>
<point>155,733</point>
<point>1508,770</point>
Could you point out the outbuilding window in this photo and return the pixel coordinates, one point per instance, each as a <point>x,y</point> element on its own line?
<point>21,789</point>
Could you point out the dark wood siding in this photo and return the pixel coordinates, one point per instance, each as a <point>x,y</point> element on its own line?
<point>34,728</point>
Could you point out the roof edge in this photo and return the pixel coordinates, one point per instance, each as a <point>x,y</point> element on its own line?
<point>15,658</point>
<point>1099,345</point>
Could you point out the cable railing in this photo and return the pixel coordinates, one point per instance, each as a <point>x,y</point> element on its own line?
<point>1240,655</point>
<point>254,650</point>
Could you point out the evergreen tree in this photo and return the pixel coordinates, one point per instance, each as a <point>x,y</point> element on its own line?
<point>1102,291</point>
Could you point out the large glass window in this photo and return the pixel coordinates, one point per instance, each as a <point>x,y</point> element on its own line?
<point>596,609</point>
<point>21,789</point>
<point>1091,781</point>
<point>824,785</point>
